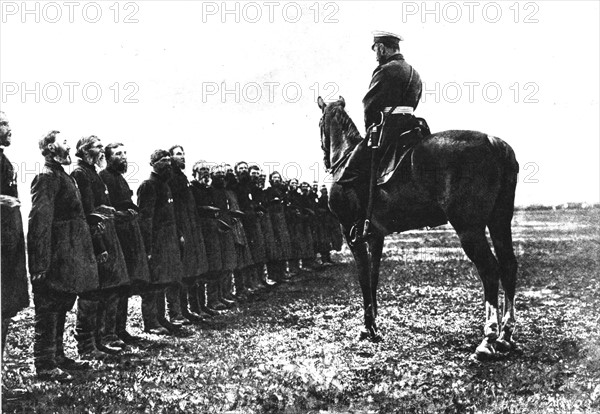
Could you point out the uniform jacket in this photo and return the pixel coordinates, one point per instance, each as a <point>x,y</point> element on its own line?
<point>58,239</point>
<point>159,230</point>
<point>203,196</point>
<point>186,217</point>
<point>274,199</point>
<point>128,226</point>
<point>394,83</point>
<point>113,272</point>
<point>15,295</point>
<point>251,222</point>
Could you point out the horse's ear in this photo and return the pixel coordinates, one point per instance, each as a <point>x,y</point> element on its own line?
<point>321,103</point>
<point>342,101</point>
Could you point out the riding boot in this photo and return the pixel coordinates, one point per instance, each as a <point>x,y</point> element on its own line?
<point>150,313</point>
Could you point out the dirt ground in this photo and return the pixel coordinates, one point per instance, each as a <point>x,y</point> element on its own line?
<point>295,349</point>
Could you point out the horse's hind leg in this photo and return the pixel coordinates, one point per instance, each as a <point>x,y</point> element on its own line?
<point>500,232</point>
<point>478,250</point>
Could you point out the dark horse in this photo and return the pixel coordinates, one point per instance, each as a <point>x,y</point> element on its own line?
<point>467,178</point>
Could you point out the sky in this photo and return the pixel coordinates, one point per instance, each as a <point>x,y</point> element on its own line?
<point>235,81</point>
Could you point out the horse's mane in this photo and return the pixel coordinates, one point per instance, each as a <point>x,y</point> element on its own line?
<point>347,126</point>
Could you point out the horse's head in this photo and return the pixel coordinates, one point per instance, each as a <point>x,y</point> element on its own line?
<point>338,132</point>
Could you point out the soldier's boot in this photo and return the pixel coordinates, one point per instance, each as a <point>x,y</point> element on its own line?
<point>175,304</point>
<point>5,325</point>
<point>241,293</point>
<point>102,326</point>
<point>258,276</point>
<point>248,275</point>
<point>44,349</point>
<point>63,361</point>
<point>150,314</point>
<point>202,302</point>
<point>212,295</point>
<point>276,270</point>
<point>161,313</point>
<point>228,289</point>
<point>110,337</point>
<point>121,321</point>
<point>293,267</point>
<point>85,329</point>
<point>191,296</point>
<point>326,258</point>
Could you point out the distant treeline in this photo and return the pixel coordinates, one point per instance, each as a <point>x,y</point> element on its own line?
<point>564,206</point>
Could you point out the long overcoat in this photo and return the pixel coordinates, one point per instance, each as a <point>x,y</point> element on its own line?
<point>15,296</point>
<point>159,230</point>
<point>186,217</point>
<point>58,239</point>
<point>94,195</point>
<point>274,199</point>
<point>128,227</point>
<point>209,225</point>
<point>251,223</point>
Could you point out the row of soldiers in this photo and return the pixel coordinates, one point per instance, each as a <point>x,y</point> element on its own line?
<point>190,249</point>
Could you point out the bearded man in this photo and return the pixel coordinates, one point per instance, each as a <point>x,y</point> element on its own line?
<point>250,278</point>
<point>162,241</point>
<point>62,263</point>
<point>274,198</point>
<point>15,295</point>
<point>96,316</point>
<point>128,231</point>
<point>193,250</point>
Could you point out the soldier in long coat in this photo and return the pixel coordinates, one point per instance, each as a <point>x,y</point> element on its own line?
<point>99,311</point>
<point>62,263</point>
<point>255,234</point>
<point>15,296</point>
<point>307,219</point>
<point>162,241</point>
<point>129,233</point>
<point>274,198</point>
<point>219,243</point>
<point>262,211</point>
<point>193,255</point>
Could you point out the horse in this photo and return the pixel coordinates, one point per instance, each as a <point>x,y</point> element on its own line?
<point>466,178</point>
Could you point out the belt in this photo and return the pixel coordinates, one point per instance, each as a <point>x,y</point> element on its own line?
<point>405,110</point>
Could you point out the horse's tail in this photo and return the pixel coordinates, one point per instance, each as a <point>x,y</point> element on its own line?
<point>500,219</point>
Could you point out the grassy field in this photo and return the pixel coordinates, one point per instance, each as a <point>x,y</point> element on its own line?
<point>295,349</point>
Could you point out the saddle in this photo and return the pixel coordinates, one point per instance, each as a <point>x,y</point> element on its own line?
<point>396,155</point>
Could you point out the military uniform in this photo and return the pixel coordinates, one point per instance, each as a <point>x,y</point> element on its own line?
<point>58,244</point>
<point>161,240</point>
<point>193,250</point>
<point>274,197</point>
<point>15,295</point>
<point>132,244</point>
<point>91,312</point>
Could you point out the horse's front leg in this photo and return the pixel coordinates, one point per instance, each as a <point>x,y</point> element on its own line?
<point>375,250</point>
<point>368,286</point>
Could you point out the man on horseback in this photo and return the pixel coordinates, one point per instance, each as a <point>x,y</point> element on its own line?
<point>389,104</point>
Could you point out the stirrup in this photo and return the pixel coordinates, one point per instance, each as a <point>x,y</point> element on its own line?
<point>360,232</point>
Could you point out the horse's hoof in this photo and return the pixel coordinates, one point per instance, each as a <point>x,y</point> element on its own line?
<point>503,346</point>
<point>370,336</point>
<point>485,351</point>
